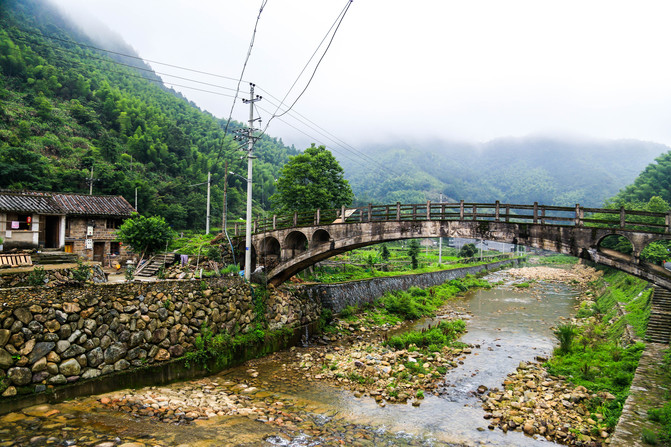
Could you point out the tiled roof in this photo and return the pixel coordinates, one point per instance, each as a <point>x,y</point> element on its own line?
<point>80,204</point>
<point>28,202</point>
<point>69,204</point>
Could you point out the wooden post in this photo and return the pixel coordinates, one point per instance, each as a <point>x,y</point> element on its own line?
<point>414,212</point>
<point>475,212</point>
<point>295,218</point>
<point>623,218</point>
<point>668,222</point>
<point>428,210</point>
<point>236,229</point>
<point>360,214</point>
<point>442,211</point>
<point>577,215</point>
<point>370,212</point>
<point>496,212</point>
<point>342,213</point>
<point>386,213</point>
<point>398,210</point>
<point>543,215</point>
<point>274,221</point>
<point>318,217</point>
<point>535,212</point>
<point>461,210</point>
<point>507,213</point>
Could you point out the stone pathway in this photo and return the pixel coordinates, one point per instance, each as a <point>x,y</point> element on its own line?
<point>648,390</point>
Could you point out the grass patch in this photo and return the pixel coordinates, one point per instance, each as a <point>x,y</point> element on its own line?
<point>591,354</point>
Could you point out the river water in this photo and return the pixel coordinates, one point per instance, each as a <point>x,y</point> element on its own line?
<point>506,325</point>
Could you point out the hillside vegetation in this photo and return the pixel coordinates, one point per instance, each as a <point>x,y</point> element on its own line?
<point>67,108</point>
<point>525,170</point>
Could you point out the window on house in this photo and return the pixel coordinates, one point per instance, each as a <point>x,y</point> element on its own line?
<point>113,223</point>
<point>19,222</point>
<point>115,248</point>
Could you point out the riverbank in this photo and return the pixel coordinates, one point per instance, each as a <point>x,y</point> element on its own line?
<point>278,400</point>
<point>576,396</point>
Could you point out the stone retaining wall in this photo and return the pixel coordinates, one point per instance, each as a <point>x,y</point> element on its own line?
<point>355,293</point>
<point>51,337</point>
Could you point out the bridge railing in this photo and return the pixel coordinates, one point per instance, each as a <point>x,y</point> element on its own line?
<point>482,212</point>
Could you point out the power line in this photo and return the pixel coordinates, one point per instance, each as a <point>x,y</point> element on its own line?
<point>339,20</point>
<point>338,142</point>
<point>33,42</point>
<point>125,55</point>
<point>367,159</point>
<point>244,66</point>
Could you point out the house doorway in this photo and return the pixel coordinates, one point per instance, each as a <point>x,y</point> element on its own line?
<point>52,231</point>
<point>99,251</point>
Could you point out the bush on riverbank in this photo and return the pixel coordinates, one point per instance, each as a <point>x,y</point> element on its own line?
<point>395,307</point>
<point>602,358</point>
<point>432,339</point>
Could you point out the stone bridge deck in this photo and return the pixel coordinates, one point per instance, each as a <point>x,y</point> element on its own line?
<point>291,243</point>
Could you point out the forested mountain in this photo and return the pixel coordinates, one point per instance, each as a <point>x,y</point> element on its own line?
<point>67,108</point>
<point>655,180</point>
<point>514,170</point>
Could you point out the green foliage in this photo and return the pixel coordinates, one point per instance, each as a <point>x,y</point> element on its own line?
<point>565,333</point>
<point>66,108</point>
<point>520,170</point>
<point>145,235</point>
<point>597,360</point>
<point>468,251</point>
<point>413,251</point>
<point>442,335</point>
<point>82,272</point>
<point>312,180</point>
<point>384,252</point>
<point>38,277</point>
<point>129,273</point>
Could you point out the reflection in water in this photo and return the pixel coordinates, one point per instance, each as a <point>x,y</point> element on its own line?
<point>506,326</point>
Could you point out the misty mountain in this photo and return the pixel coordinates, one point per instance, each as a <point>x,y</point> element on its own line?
<point>550,171</point>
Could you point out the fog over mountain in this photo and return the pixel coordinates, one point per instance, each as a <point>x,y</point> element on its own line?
<point>551,171</point>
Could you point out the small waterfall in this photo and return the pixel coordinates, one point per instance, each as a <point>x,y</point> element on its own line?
<point>305,338</point>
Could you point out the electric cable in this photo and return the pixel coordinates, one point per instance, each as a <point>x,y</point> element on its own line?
<point>339,20</point>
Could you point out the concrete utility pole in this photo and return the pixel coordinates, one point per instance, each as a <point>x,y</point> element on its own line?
<point>250,147</point>
<point>91,182</point>
<point>207,219</point>
<point>223,217</point>
<point>440,239</point>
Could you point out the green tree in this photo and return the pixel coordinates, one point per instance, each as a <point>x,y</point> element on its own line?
<point>468,251</point>
<point>145,235</point>
<point>312,180</point>
<point>384,253</point>
<point>413,251</point>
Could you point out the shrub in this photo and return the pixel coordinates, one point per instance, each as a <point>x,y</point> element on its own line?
<point>38,277</point>
<point>565,333</point>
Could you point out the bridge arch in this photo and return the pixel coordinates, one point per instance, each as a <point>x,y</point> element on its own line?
<point>295,243</point>
<point>320,237</point>
<point>575,231</point>
<point>270,252</point>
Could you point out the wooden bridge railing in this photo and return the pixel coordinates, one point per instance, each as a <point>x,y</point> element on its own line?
<point>481,212</point>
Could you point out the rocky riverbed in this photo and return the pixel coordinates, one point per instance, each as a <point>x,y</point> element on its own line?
<point>350,378</point>
<point>537,403</point>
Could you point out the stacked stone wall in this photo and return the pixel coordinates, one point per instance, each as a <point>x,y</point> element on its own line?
<point>55,336</point>
<point>356,293</point>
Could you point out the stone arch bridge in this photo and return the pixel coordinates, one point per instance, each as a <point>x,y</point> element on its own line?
<point>285,245</point>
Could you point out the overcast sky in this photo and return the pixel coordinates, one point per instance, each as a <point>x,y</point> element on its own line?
<point>466,70</point>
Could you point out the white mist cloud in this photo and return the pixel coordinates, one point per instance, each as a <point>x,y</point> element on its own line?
<point>473,70</point>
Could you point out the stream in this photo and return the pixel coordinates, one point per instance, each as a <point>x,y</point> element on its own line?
<point>506,325</point>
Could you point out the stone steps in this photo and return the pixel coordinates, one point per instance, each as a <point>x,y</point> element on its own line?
<point>155,264</point>
<point>659,325</point>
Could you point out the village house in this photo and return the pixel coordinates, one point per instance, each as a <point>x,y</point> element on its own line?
<point>75,223</point>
